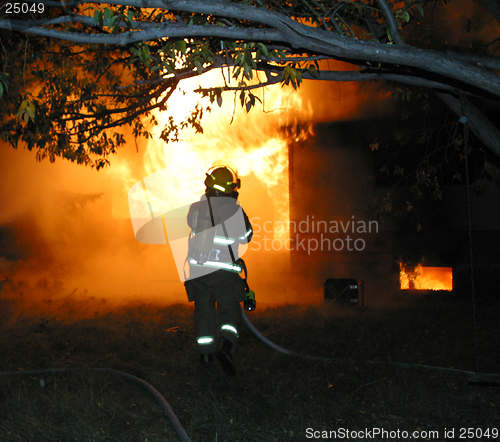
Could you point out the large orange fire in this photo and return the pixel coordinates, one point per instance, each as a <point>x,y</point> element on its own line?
<point>426,278</point>
<point>85,244</point>
<point>255,143</point>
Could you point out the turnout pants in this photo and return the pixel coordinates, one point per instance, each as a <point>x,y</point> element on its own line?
<point>217,298</point>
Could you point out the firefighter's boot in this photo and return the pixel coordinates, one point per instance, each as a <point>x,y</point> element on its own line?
<point>224,357</point>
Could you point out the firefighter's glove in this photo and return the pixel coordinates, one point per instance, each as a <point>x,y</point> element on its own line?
<point>249,304</point>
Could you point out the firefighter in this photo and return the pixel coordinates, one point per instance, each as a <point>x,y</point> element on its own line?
<point>218,226</point>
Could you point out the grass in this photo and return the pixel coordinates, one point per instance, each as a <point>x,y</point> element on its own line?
<point>274,397</point>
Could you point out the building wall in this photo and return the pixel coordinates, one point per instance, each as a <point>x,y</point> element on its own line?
<point>332,180</point>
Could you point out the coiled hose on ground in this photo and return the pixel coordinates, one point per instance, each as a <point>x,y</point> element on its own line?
<point>169,413</point>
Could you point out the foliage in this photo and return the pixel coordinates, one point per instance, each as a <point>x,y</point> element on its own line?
<point>84,70</point>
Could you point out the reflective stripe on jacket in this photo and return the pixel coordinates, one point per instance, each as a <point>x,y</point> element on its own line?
<point>231,228</point>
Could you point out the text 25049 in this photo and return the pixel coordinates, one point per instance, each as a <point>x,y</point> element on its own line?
<point>24,8</point>
<point>478,433</point>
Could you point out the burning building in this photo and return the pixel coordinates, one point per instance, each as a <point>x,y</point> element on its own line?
<point>308,177</point>
<point>333,179</point>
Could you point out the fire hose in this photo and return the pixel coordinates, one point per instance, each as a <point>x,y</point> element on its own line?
<point>284,351</point>
<point>169,413</point>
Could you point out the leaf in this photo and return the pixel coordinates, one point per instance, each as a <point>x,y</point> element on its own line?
<point>108,15</point>
<point>219,100</point>
<point>236,72</point>
<point>21,113</point>
<point>198,67</point>
<point>97,18</point>
<point>30,110</point>
<point>384,169</point>
<point>113,23</point>
<point>180,45</point>
<point>313,70</point>
<point>398,170</point>
<point>254,98</point>
<point>291,73</point>
<point>299,77</point>
<point>248,71</point>
<point>145,55</point>
<point>264,49</point>
<point>389,36</point>
<point>4,80</point>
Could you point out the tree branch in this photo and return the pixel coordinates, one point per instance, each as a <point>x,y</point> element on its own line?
<point>478,60</point>
<point>121,121</point>
<point>483,128</point>
<point>342,76</point>
<point>493,7</point>
<point>393,26</point>
<point>271,81</point>
<point>158,32</point>
<point>283,30</point>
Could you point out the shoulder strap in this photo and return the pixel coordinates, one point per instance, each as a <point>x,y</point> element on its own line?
<point>223,229</point>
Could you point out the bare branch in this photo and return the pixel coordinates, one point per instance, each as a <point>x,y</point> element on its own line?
<point>393,26</point>
<point>483,128</point>
<point>158,32</point>
<point>478,60</point>
<point>493,7</point>
<point>283,29</point>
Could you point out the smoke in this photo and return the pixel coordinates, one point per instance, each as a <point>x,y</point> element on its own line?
<point>464,24</point>
<point>66,239</point>
<point>59,241</point>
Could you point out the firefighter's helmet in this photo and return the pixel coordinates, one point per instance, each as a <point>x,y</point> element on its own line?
<point>223,177</point>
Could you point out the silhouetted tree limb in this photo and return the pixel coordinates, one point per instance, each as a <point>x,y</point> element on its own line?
<point>130,53</point>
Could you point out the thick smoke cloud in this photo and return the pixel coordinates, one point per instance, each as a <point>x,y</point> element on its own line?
<point>59,238</point>
<point>66,234</point>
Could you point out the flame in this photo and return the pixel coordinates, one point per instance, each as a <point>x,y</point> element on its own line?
<point>76,221</point>
<point>256,143</point>
<point>426,278</point>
